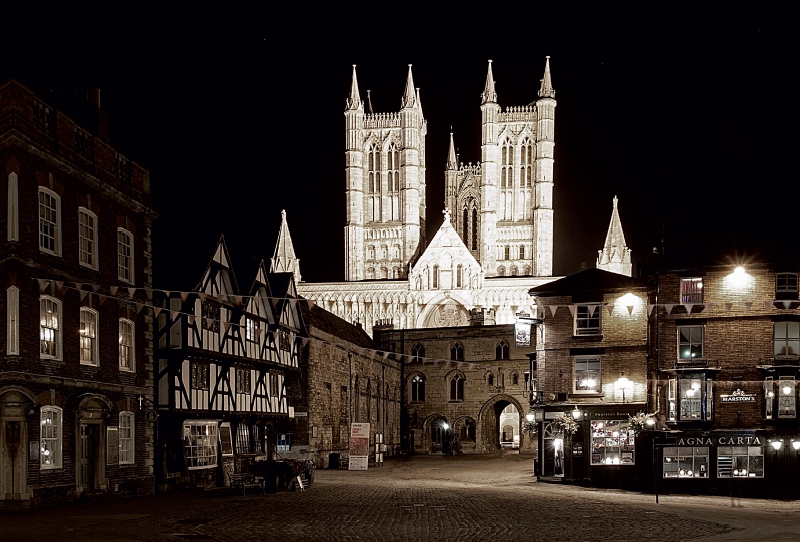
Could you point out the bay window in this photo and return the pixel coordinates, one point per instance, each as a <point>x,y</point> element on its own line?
<point>690,397</point>
<point>200,444</point>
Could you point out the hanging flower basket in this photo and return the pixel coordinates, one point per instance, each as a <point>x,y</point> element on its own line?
<point>566,424</point>
<point>641,422</point>
<point>529,427</point>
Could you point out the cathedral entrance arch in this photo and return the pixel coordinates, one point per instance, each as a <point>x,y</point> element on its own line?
<point>444,310</point>
<point>499,421</point>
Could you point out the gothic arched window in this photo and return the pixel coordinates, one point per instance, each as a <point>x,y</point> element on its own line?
<point>370,274</point>
<point>435,276</point>
<point>514,271</point>
<point>371,252</point>
<point>502,350</point>
<point>507,253</point>
<point>459,271</point>
<point>490,379</point>
<point>457,352</point>
<point>457,387</point>
<point>465,228</point>
<point>501,271</point>
<point>474,226</point>
<point>522,252</point>
<point>418,389</point>
<point>417,353</point>
<point>514,379</point>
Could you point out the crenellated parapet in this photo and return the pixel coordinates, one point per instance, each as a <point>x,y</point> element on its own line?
<point>518,113</point>
<point>383,120</point>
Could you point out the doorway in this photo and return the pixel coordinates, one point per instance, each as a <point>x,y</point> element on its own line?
<point>439,429</point>
<point>553,464</point>
<point>89,456</point>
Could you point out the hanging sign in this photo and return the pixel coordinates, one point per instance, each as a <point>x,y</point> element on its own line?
<point>522,333</point>
<point>359,446</point>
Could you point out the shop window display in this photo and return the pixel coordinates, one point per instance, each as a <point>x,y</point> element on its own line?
<point>740,462</point>
<point>612,443</point>
<point>686,462</point>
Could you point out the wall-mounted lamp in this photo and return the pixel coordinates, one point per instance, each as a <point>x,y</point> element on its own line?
<point>530,416</point>
<point>796,444</point>
<point>623,384</point>
<point>576,414</point>
<point>776,444</point>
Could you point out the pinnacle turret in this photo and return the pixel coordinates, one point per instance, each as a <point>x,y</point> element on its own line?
<point>284,260</point>
<point>489,95</point>
<point>452,161</point>
<point>546,89</point>
<point>354,100</point>
<point>615,256</point>
<point>419,103</point>
<point>409,97</point>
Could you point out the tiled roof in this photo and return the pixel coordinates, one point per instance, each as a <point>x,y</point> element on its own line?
<point>316,317</point>
<point>589,280</point>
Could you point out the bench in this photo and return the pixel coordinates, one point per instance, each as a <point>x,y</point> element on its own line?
<point>244,481</point>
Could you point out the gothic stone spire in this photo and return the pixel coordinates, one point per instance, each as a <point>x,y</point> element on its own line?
<point>489,95</point>
<point>546,90</point>
<point>354,100</point>
<point>615,256</point>
<point>452,161</point>
<point>409,97</point>
<point>284,260</point>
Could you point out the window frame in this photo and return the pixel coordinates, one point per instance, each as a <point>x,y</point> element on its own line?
<point>691,343</point>
<point>12,216</point>
<point>691,290</point>
<point>502,350</point>
<point>683,456</point>
<point>581,368</point>
<point>57,439</point>
<point>130,348</point>
<point>456,385</point>
<point>677,394</point>
<point>12,321</point>
<point>730,452</point>
<point>199,376</point>
<point>417,388</point>
<point>790,340</point>
<point>55,225</point>
<point>587,322</point>
<point>195,441</point>
<point>121,256</point>
<point>127,438</point>
<point>243,380</point>
<point>789,286</point>
<point>57,331</point>
<point>93,344</point>
<point>92,242</point>
<point>417,353</point>
<point>626,443</point>
<point>456,352</point>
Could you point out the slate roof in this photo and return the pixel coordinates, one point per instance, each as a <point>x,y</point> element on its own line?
<point>316,317</point>
<point>589,280</point>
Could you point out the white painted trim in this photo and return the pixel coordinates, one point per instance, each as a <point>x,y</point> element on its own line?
<point>13,207</point>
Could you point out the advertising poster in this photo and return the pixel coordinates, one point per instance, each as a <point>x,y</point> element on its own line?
<point>522,333</point>
<point>359,446</point>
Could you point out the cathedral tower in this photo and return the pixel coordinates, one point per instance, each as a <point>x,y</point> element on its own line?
<point>385,173</point>
<point>512,188</point>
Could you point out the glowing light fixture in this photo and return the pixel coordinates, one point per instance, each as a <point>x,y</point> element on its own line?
<point>576,413</point>
<point>776,444</point>
<point>530,417</point>
<point>796,444</point>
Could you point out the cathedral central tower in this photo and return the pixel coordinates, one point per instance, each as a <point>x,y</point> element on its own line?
<point>385,174</point>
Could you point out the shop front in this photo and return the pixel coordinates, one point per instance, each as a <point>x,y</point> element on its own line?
<point>603,451</point>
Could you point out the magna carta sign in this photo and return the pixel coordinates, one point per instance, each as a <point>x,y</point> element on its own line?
<point>721,440</point>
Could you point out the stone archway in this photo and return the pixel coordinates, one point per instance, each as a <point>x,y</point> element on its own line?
<point>489,423</point>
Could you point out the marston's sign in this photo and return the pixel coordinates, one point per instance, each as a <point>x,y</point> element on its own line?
<point>721,440</point>
<point>739,397</point>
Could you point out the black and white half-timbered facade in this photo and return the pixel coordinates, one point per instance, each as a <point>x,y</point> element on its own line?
<point>224,364</point>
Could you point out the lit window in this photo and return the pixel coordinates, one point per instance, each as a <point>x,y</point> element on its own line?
<point>786,286</point>
<point>740,462</point>
<point>502,350</point>
<point>251,329</point>
<point>49,328</point>
<point>690,342</point>
<point>686,462</point>
<point>244,445</point>
<point>587,374</point>
<point>418,389</point>
<point>200,444</point>
<point>787,391</point>
<point>50,438</point>
<point>126,438</point>
<point>690,397</point>
<point>88,337</point>
<point>457,352</point>
<point>692,290</point>
<point>457,388</point>
<point>49,222</point>
<point>587,319</point>
<point>125,255</point>
<point>284,341</point>
<point>612,443</point>
<point>787,338</point>
<point>127,361</point>
<point>87,238</point>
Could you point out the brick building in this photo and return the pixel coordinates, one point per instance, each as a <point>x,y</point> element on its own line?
<point>591,367</point>
<point>472,380</point>
<point>725,351</point>
<point>76,374</point>
<point>346,381</point>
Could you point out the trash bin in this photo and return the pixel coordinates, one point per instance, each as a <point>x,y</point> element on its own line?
<point>333,461</point>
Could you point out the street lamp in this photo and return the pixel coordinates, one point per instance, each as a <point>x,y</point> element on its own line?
<point>576,413</point>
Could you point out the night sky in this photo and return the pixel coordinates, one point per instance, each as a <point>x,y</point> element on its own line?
<point>689,118</point>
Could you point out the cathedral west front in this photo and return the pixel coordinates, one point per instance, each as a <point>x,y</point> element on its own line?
<point>495,241</point>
